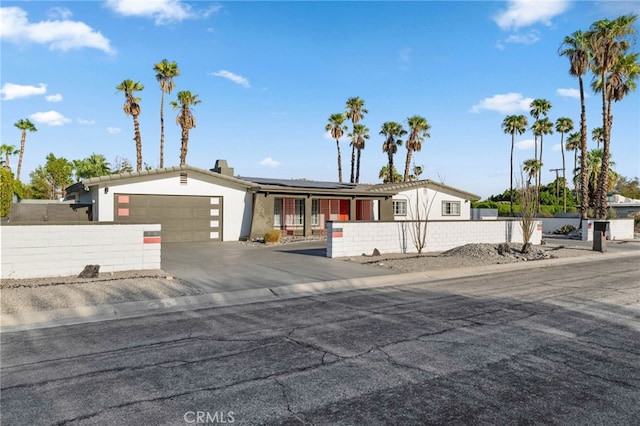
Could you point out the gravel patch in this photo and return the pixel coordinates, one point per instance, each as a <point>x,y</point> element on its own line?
<point>466,256</point>
<point>43,294</point>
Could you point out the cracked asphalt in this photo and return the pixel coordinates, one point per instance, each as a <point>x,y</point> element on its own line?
<point>555,345</point>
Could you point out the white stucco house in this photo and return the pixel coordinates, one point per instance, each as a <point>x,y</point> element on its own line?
<point>193,204</point>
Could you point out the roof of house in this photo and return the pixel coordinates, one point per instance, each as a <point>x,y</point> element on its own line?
<point>271,185</point>
<point>426,183</point>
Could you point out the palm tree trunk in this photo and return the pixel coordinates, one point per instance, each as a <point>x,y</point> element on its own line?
<point>564,179</point>
<point>406,165</point>
<point>23,140</point>
<point>358,167</point>
<point>184,143</point>
<point>391,177</point>
<point>513,137</point>
<point>353,163</point>
<point>162,131</point>
<point>339,162</point>
<point>584,182</point>
<point>603,179</point>
<point>138,139</point>
<point>539,178</point>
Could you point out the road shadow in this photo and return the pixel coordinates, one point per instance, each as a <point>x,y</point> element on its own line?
<point>320,252</point>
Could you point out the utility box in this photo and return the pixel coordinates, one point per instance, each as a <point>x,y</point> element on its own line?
<point>599,235</point>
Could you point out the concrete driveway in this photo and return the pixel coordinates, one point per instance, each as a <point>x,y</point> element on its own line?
<point>230,266</point>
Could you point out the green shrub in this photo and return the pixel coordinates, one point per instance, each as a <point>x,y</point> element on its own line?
<point>272,237</point>
<point>6,191</point>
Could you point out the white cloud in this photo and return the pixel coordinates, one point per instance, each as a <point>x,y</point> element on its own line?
<point>161,11</point>
<point>570,93</point>
<point>505,104</point>
<point>113,130</point>
<point>531,38</point>
<point>525,144</point>
<point>269,162</point>
<point>54,98</point>
<point>62,34</point>
<point>556,147</point>
<point>11,91</point>
<point>51,118</point>
<point>86,122</point>
<point>523,13</point>
<point>238,79</point>
<point>59,13</point>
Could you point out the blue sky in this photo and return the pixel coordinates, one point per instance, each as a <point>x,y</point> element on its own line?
<point>269,74</point>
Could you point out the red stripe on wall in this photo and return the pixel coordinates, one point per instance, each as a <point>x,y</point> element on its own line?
<point>336,235</point>
<point>152,240</point>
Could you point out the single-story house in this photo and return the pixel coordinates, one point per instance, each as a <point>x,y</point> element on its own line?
<point>194,204</point>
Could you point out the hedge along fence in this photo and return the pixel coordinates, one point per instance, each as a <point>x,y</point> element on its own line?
<point>37,251</point>
<point>357,238</point>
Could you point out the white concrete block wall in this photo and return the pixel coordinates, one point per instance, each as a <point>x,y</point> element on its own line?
<point>620,229</point>
<point>356,238</point>
<point>64,250</point>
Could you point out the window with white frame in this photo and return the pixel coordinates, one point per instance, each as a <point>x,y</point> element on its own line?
<point>315,213</point>
<point>399,207</point>
<point>277,213</point>
<point>451,208</point>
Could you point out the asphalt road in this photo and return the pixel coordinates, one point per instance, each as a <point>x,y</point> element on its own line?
<point>556,345</point>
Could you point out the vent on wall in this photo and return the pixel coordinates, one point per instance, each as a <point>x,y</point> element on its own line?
<point>183,178</point>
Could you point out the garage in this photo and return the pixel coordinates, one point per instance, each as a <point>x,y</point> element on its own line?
<point>183,218</point>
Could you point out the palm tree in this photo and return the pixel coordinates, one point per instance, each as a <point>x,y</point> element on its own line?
<point>609,41</point>
<point>531,167</point>
<point>511,125</point>
<point>597,135</point>
<point>355,111</point>
<point>576,48</point>
<point>185,119</point>
<point>418,130</point>
<point>358,136</point>
<point>337,128</point>
<point>132,108</point>
<point>573,144</point>
<point>385,175</point>
<point>541,127</point>
<point>563,125</point>
<point>539,108</point>
<point>25,125</point>
<point>8,151</point>
<point>165,72</point>
<point>593,173</point>
<point>393,132</point>
<point>93,166</point>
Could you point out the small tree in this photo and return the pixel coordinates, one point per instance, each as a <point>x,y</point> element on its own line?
<point>419,219</point>
<point>6,191</point>
<point>528,198</point>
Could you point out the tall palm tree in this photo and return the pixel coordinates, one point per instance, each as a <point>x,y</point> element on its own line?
<point>358,136</point>
<point>563,125</point>
<point>573,144</point>
<point>531,167</point>
<point>597,135</point>
<point>337,128</point>
<point>609,41</point>
<point>165,72</point>
<point>539,108</point>
<point>576,48</point>
<point>26,126</point>
<point>132,108</point>
<point>393,132</point>
<point>593,172</point>
<point>541,127</point>
<point>511,125</point>
<point>185,119</point>
<point>355,112</point>
<point>418,131</point>
<point>8,151</point>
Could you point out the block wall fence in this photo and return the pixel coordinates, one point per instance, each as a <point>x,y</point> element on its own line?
<point>36,251</point>
<point>618,229</point>
<point>356,238</point>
